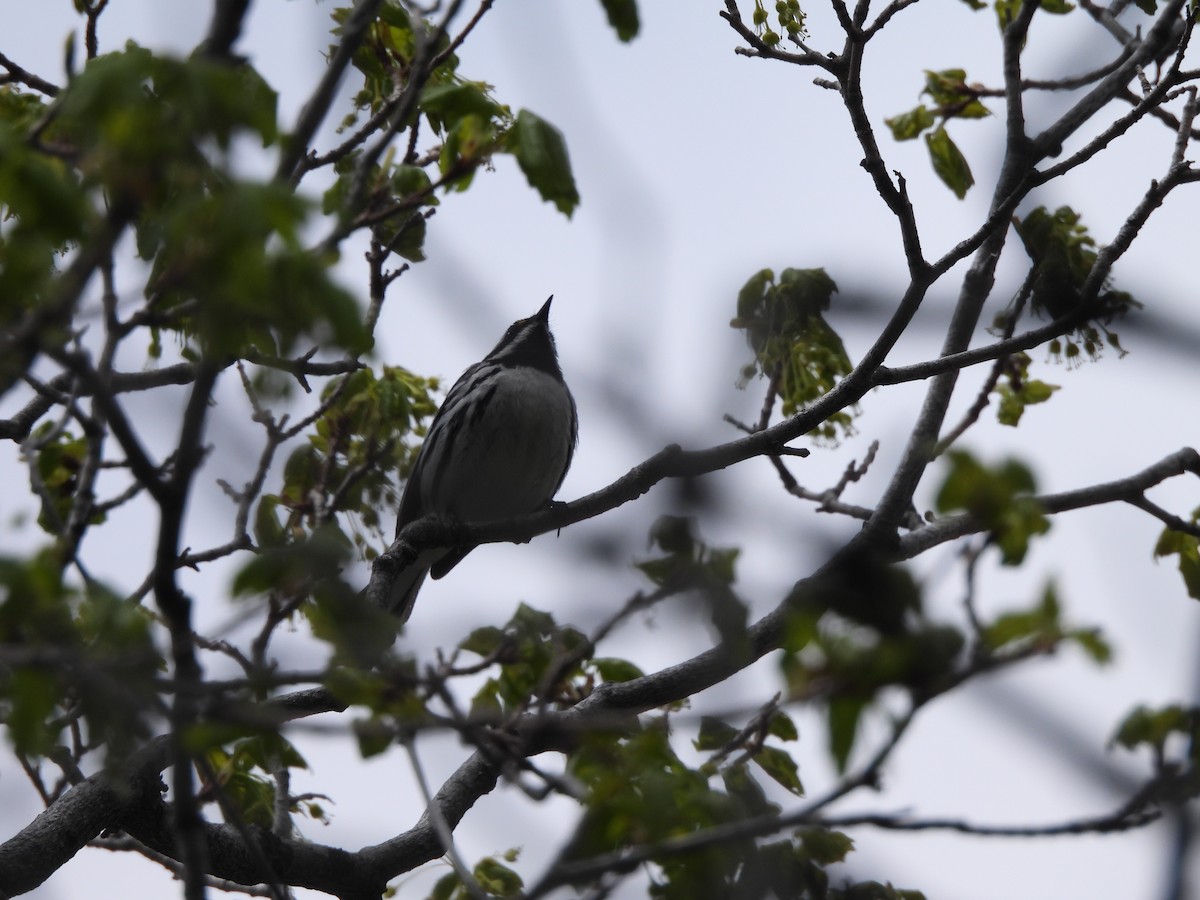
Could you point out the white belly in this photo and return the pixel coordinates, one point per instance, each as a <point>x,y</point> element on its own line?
<point>516,460</point>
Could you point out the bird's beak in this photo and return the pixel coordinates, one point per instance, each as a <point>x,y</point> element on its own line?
<point>544,312</point>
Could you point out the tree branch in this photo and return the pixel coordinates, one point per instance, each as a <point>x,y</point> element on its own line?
<point>290,167</point>
<point>23,76</point>
<point>1126,490</point>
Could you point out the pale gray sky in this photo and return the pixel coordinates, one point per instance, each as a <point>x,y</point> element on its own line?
<point>696,168</point>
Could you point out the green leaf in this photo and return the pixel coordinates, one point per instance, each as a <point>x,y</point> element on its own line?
<point>721,563</point>
<point>1152,727</point>
<point>529,621</point>
<point>659,571</point>
<point>752,295</point>
<point>497,879</point>
<point>43,208</point>
<point>1064,253</point>
<point>825,846</point>
<point>138,120</point>
<point>268,532</point>
<point>269,751</point>
<point>844,714</point>
<point>674,535</point>
<point>19,109</point>
<point>1189,568</point>
<point>1013,401</point>
<point>907,126</point>
<point>1022,521</point>
<point>541,153</point>
<point>40,192</point>
<point>740,784</point>
<point>1041,627</point>
<point>623,17</point>
<point>32,697</point>
<point>413,181</point>
<point>1013,627</point>
<point>214,282</point>
<point>729,615</point>
<point>372,738</point>
<point>949,163</point>
<point>486,705</point>
<point>359,632</point>
<point>792,341</point>
<point>405,236</point>
<point>449,104</point>
<point>714,734</point>
<point>782,726</point>
<point>1187,548</point>
<point>445,887</point>
<point>1093,643</point>
<point>483,641</point>
<point>998,497</point>
<point>616,670</point>
<point>1171,542</point>
<point>955,99</point>
<point>1006,12</point>
<point>780,766</point>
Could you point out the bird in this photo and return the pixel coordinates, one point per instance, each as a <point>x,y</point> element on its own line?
<point>498,447</point>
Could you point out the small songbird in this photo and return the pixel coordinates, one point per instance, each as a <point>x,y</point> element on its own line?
<point>499,447</point>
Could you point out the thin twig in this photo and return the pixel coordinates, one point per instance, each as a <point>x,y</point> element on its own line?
<point>434,812</point>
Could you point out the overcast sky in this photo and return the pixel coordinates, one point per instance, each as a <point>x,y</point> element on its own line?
<point>696,168</point>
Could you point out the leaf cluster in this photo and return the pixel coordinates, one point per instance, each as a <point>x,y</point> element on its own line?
<point>537,660</point>
<point>789,17</point>
<point>470,125</point>
<point>1017,390</point>
<point>999,497</point>
<point>1063,255</point>
<point>831,655</point>
<point>85,662</point>
<point>43,206</point>
<point>244,772</point>
<point>1186,548</point>
<point>1041,628</point>
<point>688,563</point>
<point>952,98</point>
<point>640,792</point>
<point>366,434</point>
<point>793,344</point>
<point>491,873</point>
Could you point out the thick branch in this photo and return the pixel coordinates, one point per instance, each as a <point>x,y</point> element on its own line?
<point>1159,36</point>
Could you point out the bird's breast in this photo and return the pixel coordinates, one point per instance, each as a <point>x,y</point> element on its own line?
<point>509,456</point>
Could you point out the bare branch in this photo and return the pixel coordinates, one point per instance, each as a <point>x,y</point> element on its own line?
<point>92,10</point>
<point>128,844</point>
<point>444,832</point>
<point>758,48</point>
<point>290,167</point>
<point>18,75</point>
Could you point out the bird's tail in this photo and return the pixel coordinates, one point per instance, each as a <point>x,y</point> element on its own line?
<point>408,584</point>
